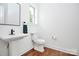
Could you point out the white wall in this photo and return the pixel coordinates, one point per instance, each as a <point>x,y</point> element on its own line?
<point>5,29</point>
<point>63,21</point>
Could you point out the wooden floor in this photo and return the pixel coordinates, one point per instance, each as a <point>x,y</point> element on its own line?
<point>47,52</point>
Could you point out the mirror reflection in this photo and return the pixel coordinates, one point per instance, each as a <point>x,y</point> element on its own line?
<point>10,13</point>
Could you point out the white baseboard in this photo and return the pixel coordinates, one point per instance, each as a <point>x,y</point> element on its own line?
<point>75,52</point>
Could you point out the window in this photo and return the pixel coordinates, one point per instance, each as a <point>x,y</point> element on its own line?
<point>32,15</point>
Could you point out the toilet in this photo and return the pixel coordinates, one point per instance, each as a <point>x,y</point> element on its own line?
<point>38,43</point>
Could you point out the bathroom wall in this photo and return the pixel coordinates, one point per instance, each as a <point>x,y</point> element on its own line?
<point>62,21</point>
<point>5,30</point>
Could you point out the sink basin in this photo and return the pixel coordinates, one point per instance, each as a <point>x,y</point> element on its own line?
<point>12,37</point>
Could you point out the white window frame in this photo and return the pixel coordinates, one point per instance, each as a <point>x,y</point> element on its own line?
<point>34,21</point>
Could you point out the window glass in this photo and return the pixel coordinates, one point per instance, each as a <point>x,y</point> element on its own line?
<point>32,14</point>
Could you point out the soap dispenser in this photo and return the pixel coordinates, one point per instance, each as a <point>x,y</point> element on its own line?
<point>24,28</point>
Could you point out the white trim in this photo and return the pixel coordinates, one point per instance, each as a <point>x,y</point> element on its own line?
<point>24,51</point>
<point>75,52</point>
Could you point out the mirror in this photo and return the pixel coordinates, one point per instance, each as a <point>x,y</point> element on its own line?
<point>2,14</point>
<point>10,14</point>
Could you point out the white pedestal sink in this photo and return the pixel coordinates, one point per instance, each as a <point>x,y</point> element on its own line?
<point>9,38</point>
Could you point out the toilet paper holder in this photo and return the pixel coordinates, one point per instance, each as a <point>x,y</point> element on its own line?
<point>53,36</point>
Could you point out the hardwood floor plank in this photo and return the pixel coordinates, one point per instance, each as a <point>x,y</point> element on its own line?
<point>47,52</point>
